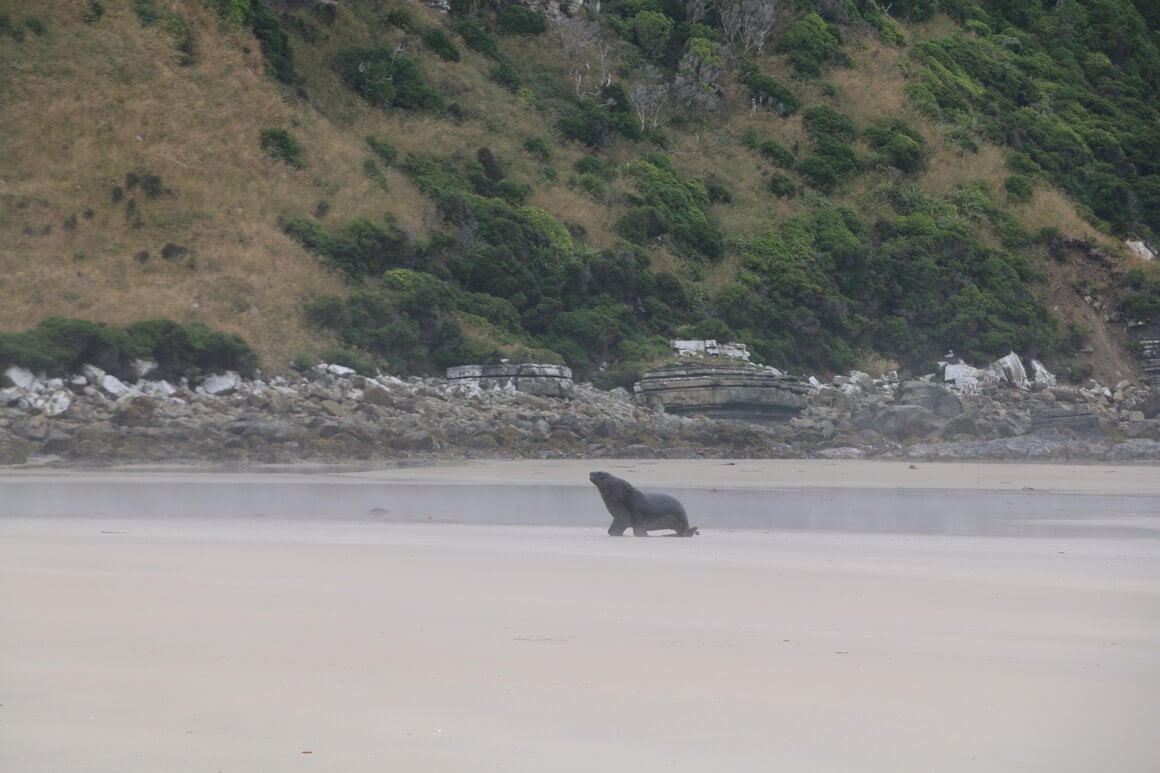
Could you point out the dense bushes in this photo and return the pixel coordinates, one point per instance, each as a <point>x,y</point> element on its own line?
<point>386,78</point>
<point>59,346</point>
<point>810,43</point>
<point>595,123</point>
<point>671,206</point>
<point>1059,87</point>
<point>832,158</point>
<point>359,248</point>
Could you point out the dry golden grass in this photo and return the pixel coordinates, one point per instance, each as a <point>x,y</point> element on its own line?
<point>87,104</point>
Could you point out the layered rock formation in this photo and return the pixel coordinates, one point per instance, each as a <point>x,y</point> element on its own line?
<point>332,414</point>
<point>740,393</point>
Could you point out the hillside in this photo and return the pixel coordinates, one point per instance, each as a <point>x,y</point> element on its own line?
<point>395,186</point>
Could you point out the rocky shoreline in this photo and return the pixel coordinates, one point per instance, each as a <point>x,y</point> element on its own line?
<point>333,415</point>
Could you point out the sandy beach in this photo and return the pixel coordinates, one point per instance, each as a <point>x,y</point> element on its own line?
<point>476,617</point>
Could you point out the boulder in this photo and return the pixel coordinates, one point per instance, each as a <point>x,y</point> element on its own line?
<point>937,399</point>
<point>907,421</point>
<point>722,392</point>
<point>220,384</point>
<point>21,377</point>
<point>58,402</point>
<point>134,411</point>
<point>113,386</point>
<point>545,380</point>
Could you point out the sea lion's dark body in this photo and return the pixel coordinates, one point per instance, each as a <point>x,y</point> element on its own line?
<point>638,510</point>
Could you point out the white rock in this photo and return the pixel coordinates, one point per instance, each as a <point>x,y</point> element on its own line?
<point>341,370</point>
<point>1011,368</point>
<point>21,377</point>
<point>1141,249</point>
<point>78,381</point>
<point>9,396</point>
<point>965,378</point>
<point>113,386</point>
<point>57,403</point>
<point>688,348</point>
<point>92,373</point>
<point>158,389</point>
<point>220,383</point>
<point>1041,376</point>
<point>144,367</point>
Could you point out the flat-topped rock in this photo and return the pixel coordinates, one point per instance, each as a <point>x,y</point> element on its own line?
<point>723,392</point>
<point>544,380</point>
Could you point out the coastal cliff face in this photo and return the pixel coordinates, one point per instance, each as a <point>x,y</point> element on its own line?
<point>331,414</point>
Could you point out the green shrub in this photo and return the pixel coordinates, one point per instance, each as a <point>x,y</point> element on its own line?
<point>60,346</point>
<point>401,17</point>
<point>772,95</point>
<point>898,145</point>
<point>679,209</point>
<point>329,312</point>
<point>280,145</point>
<point>233,13</point>
<point>518,20</point>
<point>147,12</point>
<point>823,120</point>
<point>375,174</point>
<point>538,147</point>
<point>1019,189</point>
<point>506,75</point>
<point>182,32</point>
<point>386,152</point>
<point>640,224</point>
<point>438,41</point>
<point>589,165</point>
<point>478,39</point>
<point>782,186</point>
<point>837,154</point>
<point>651,31</point>
<point>273,39</point>
<point>360,248</point>
<point>386,79</point>
<point>810,43</point>
<point>777,153</point>
<point>513,192</point>
<point>595,125</point>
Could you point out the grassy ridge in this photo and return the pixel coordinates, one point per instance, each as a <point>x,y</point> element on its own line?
<point>153,170</point>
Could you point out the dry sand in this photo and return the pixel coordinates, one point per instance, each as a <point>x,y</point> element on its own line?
<point>153,643</point>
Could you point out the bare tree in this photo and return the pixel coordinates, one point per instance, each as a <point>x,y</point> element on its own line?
<point>647,100</point>
<point>584,45</point>
<point>695,10</point>
<point>747,23</point>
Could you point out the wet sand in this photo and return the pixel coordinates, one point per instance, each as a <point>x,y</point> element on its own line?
<point>264,636</point>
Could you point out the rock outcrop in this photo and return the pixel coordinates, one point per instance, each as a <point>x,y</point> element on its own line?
<point>740,393</point>
<point>332,414</point>
<point>545,380</point>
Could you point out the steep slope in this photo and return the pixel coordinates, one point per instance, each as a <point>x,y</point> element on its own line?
<point>165,168</point>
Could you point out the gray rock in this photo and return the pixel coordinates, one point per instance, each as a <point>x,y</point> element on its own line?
<point>906,421</point>
<point>58,402</point>
<point>135,411</point>
<point>21,377</point>
<point>221,383</point>
<point>113,386</point>
<point>937,399</point>
<point>722,392</point>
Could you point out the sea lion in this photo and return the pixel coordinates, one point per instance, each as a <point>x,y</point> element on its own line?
<point>643,512</point>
